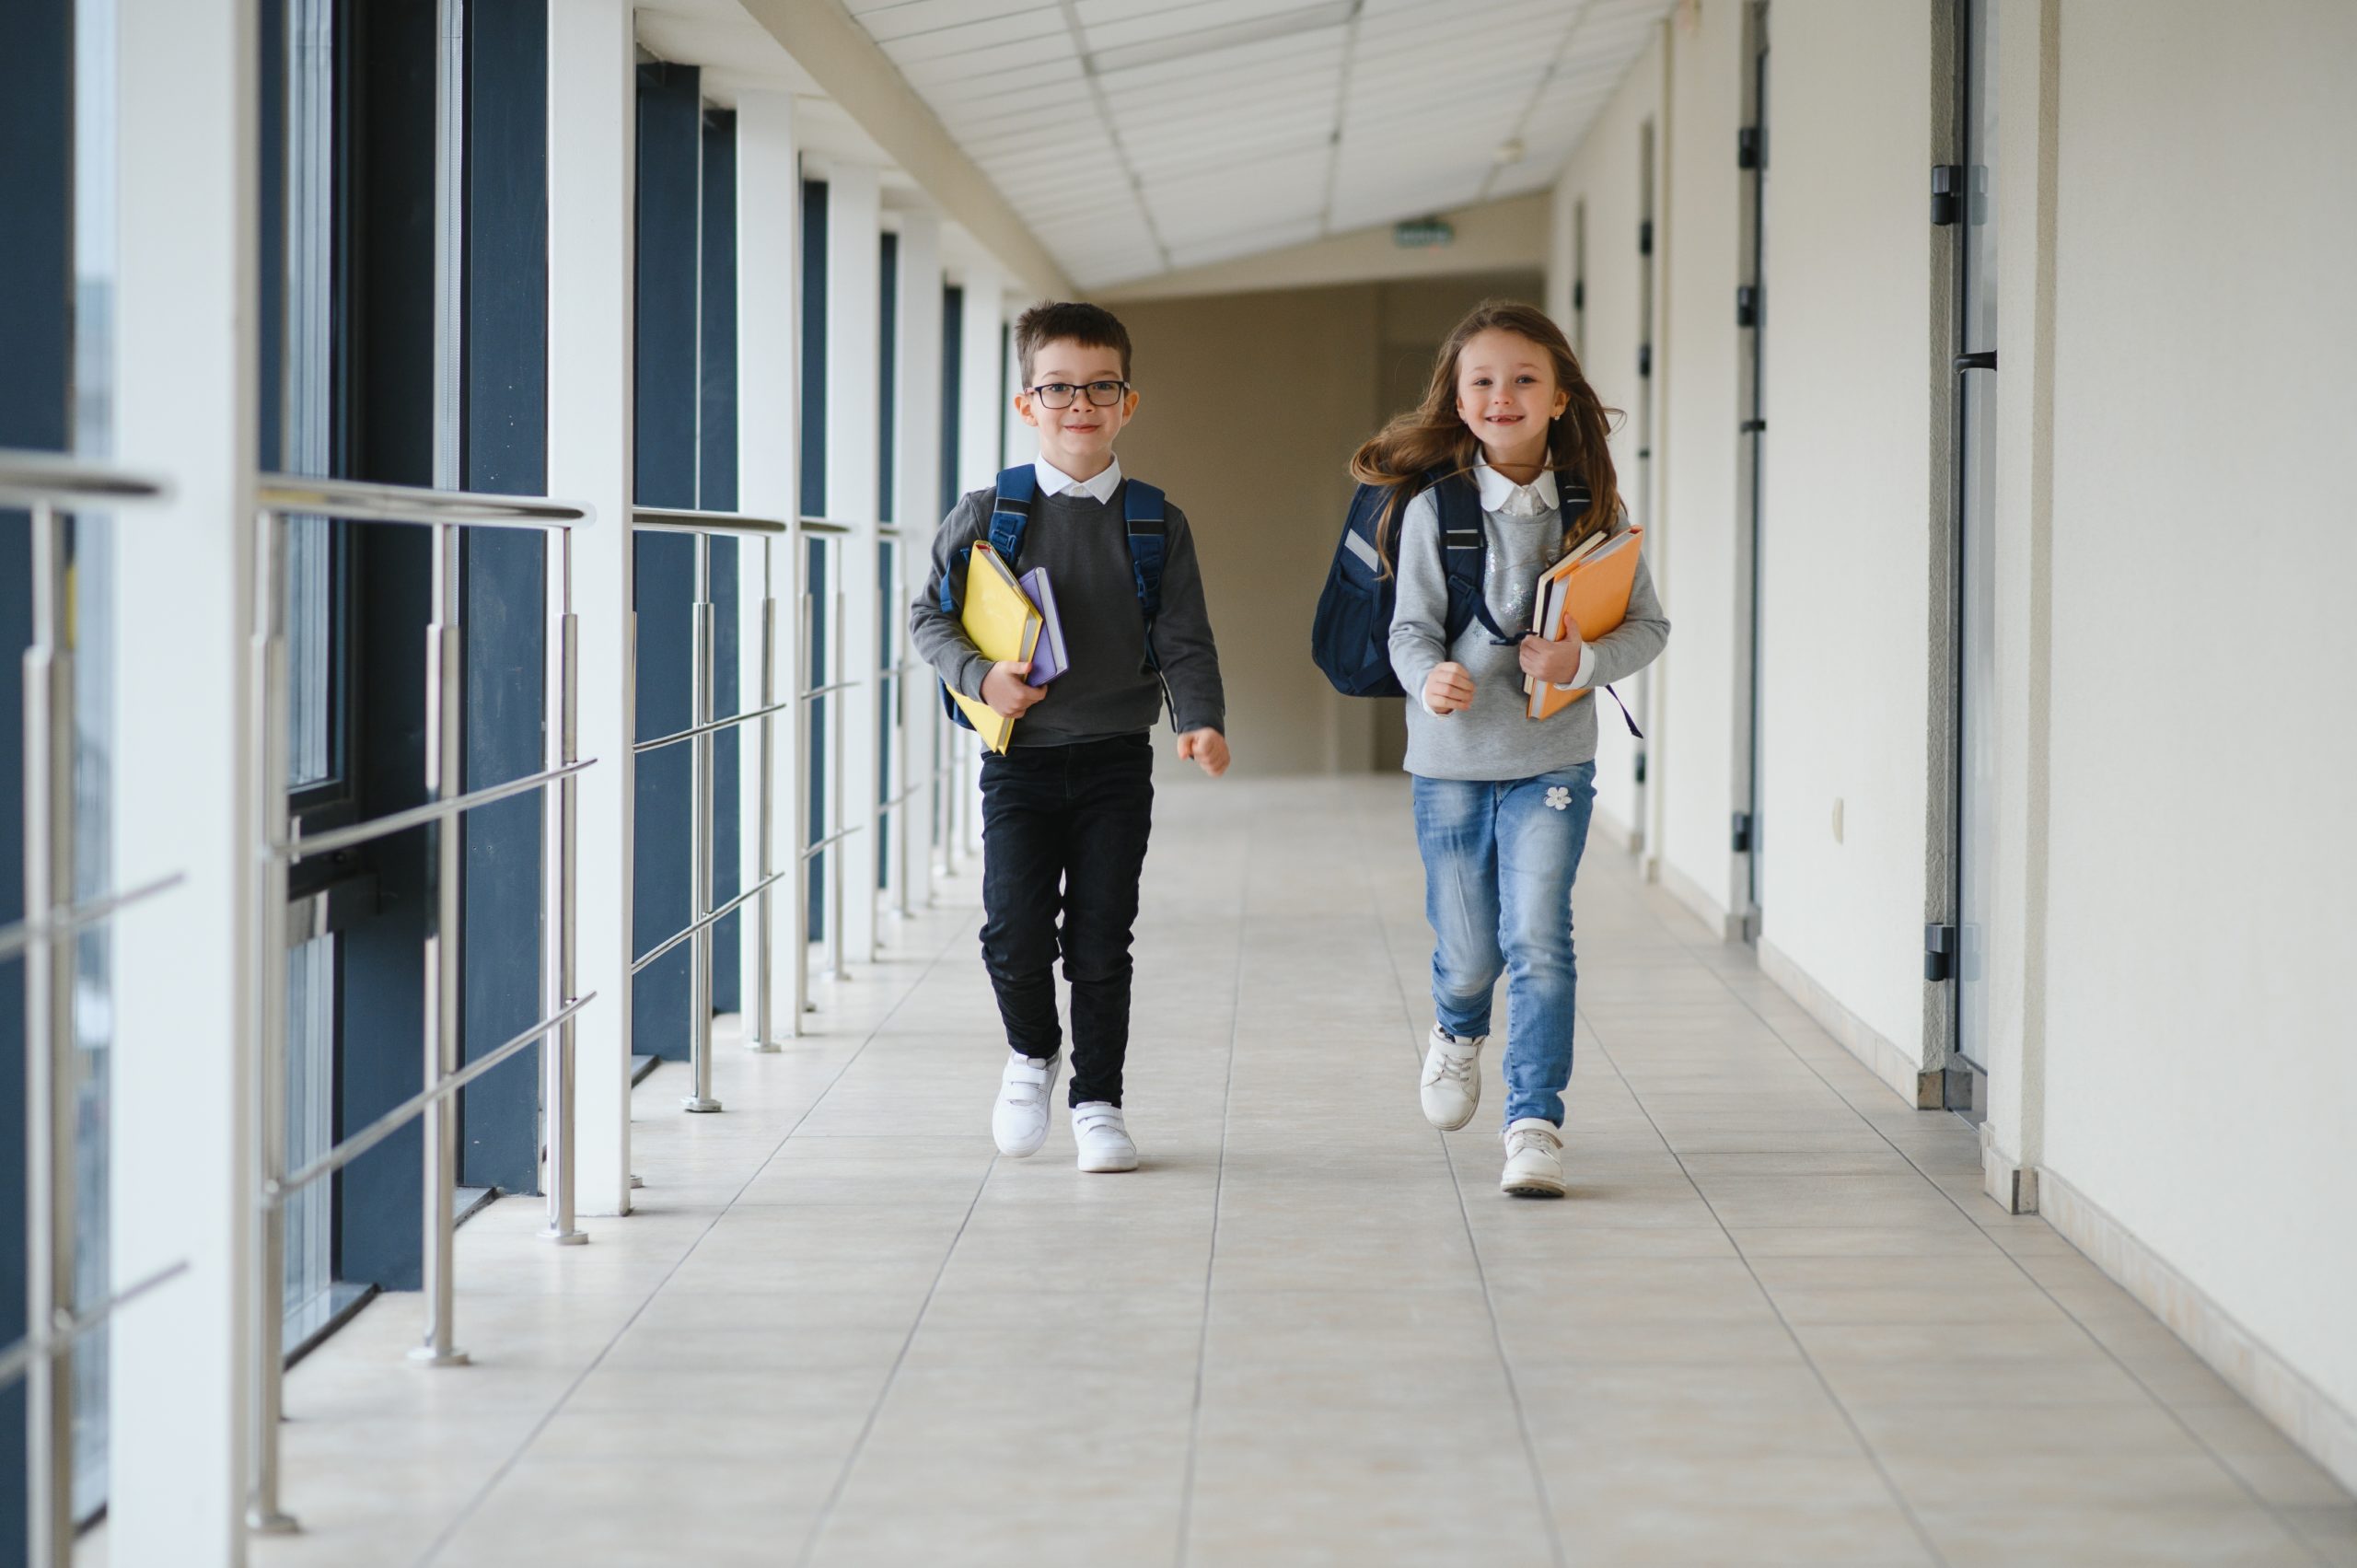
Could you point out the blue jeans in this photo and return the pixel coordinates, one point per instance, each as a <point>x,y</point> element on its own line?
<point>1499,861</point>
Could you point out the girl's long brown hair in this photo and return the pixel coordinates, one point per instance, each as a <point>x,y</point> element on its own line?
<point>1431,436</point>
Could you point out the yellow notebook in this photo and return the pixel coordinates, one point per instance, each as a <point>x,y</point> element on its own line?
<point>1001,624</point>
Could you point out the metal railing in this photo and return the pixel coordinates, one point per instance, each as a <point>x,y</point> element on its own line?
<point>820,842</point>
<point>280,846</point>
<point>701,736</point>
<point>51,487</point>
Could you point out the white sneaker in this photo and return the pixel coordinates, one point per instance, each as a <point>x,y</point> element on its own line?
<point>1103,1143</point>
<point>1534,1159</point>
<point>1019,1119</point>
<point>1452,1085</point>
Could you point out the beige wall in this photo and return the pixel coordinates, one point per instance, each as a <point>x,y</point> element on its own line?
<point>1250,406</point>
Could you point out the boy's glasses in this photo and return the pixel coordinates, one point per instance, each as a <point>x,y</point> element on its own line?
<point>1059,394</point>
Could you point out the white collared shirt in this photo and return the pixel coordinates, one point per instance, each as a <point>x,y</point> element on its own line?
<point>1053,481</point>
<point>1503,497</point>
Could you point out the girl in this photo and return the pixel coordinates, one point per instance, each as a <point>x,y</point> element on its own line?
<point>1501,800</point>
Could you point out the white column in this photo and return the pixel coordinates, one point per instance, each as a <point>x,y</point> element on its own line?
<point>979,453</point>
<point>184,1069</point>
<point>917,482</point>
<point>2012,1139</point>
<point>977,400</point>
<point>592,110</point>
<point>855,263</point>
<point>769,210</point>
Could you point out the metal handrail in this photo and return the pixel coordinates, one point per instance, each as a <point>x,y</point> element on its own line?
<point>821,525</point>
<point>344,1151</point>
<point>686,519</point>
<point>302,847</point>
<point>362,501</point>
<point>52,479</point>
<point>829,689</point>
<point>707,921</point>
<point>18,1357</point>
<point>444,512</point>
<point>15,938</point>
<point>640,747</point>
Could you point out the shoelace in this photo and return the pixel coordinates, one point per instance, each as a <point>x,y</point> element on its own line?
<point>1532,1138</point>
<point>1448,1064</point>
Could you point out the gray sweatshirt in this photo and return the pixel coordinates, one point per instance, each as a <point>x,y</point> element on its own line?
<point>1495,738</point>
<point>1110,689</point>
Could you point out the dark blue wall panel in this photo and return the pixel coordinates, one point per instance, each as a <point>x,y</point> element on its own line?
<point>506,452</point>
<point>717,493</point>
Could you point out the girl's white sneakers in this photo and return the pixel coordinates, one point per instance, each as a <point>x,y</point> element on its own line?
<point>1103,1141</point>
<point>1019,1119</point>
<point>1452,1084</point>
<point>1534,1159</point>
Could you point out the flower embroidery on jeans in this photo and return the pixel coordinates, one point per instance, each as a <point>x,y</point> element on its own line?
<point>1559,798</point>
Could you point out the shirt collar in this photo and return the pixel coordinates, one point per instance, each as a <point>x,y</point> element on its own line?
<point>1053,481</point>
<point>1497,490</point>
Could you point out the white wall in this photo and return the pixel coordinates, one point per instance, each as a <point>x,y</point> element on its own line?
<point>1701,401</point>
<point>1605,173</point>
<point>2200,1073</point>
<point>1846,548</point>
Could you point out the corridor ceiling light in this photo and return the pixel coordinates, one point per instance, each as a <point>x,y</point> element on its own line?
<point>1509,151</point>
<point>1185,45</point>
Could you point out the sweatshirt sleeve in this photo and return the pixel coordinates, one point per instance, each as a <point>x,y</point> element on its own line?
<point>1420,613</point>
<point>1640,637</point>
<point>1182,636</point>
<point>941,639</point>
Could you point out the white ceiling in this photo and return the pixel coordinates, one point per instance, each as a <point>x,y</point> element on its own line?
<point>1138,135</point>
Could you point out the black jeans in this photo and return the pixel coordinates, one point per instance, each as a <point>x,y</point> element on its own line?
<point>1063,841</point>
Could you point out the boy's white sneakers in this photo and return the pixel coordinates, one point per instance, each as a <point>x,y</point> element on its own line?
<point>1452,1084</point>
<point>1103,1141</point>
<point>1019,1119</point>
<point>1534,1159</point>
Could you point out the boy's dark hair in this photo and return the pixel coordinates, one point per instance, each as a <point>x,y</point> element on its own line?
<point>1059,321</point>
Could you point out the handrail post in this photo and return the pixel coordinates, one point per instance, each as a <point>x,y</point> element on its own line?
<point>49,1047</point>
<point>445,688</point>
<point>704,803</point>
<point>558,853</point>
<point>805,661</point>
<point>268,756</point>
<point>765,828</point>
<point>839,742</point>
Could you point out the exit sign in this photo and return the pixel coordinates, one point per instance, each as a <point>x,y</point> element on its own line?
<point>1421,233</point>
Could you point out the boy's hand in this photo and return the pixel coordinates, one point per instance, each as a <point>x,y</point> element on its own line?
<point>1005,690</point>
<point>1207,749</point>
<point>1551,661</point>
<point>1448,688</point>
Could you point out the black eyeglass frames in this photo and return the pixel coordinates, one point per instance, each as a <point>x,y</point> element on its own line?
<point>1059,394</point>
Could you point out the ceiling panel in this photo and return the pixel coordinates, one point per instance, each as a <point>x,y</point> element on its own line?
<point>1138,135</point>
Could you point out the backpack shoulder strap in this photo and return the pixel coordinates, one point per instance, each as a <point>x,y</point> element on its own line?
<point>1143,515</point>
<point>1464,549</point>
<point>1010,515</point>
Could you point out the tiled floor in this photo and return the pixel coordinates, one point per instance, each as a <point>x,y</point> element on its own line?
<point>1775,1323</point>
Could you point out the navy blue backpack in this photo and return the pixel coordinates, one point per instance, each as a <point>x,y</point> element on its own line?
<point>1351,638</point>
<point>1018,487</point>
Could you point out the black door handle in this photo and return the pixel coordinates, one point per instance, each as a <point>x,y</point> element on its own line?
<point>1984,360</point>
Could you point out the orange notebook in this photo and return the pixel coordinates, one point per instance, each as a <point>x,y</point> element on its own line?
<point>1591,591</point>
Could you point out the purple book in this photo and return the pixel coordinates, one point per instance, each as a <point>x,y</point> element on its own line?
<point>1048,658</point>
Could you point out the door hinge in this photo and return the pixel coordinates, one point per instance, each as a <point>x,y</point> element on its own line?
<point>1645,237</point>
<point>1644,359</point>
<point>1750,148</point>
<point>1939,953</point>
<point>1751,426</point>
<point>1579,293</point>
<point>1742,835</point>
<point>1947,193</point>
<point>1984,359</point>
<point>1747,305</point>
<point>1640,767</point>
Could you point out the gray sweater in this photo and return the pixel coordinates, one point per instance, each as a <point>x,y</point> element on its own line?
<point>1495,738</point>
<point>1110,689</point>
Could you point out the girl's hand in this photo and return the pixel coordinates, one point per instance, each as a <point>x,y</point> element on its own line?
<point>1551,661</point>
<point>1206,748</point>
<point>1005,690</point>
<point>1448,688</point>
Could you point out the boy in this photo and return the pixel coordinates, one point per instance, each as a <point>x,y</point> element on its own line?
<point>1067,807</point>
